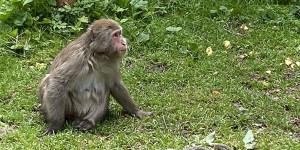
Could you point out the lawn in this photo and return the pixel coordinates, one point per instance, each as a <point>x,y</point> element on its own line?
<point>185,71</point>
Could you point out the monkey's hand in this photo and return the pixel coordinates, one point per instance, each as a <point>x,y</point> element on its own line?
<point>140,113</point>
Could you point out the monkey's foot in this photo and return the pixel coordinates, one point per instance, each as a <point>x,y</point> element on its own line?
<point>50,131</point>
<point>139,114</point>
<point>82,125</point>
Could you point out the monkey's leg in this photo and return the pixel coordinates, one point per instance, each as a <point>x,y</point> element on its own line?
<point>79,123</point>
<point>90,120</point>
<point>97,111</point>
<point>82,125</point>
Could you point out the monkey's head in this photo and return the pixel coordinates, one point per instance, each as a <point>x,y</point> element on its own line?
<point>106,37</point>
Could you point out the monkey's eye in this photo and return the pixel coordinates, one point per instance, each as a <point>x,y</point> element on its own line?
<point>116,34</point>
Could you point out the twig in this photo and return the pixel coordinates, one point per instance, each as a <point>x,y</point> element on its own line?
<point>165,122</point>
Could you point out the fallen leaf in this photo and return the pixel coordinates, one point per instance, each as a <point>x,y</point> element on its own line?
<point>252,53</point>
<point>141,128</point>
<point>173,29</point>
<point>274,98</point>
<point>29,88</point>
<point>227,44</point>
<point>243,110</point>
<point>244,27</point>
<point>292,65</point>
<point>13,93</point>
<point>210,138</point>
<point>249,140</point>
<point>216,92</point>
<point>249,137</point>
<point>250,145</point>
<point>288,61</point>
<point>237,105</point>
<point>40,65</point>
<point>295,121</point>
<point>274,91</point>
<point>215,73</point>
<point>5,128</point>
<point>242,56</point>
<point>265,83</point>
<point>209,51</point>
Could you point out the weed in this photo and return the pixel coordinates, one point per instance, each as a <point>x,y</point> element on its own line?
<point>243,94</point>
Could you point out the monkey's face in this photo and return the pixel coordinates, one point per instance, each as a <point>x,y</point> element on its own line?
<point>106,38</point>
<point>119,41</point>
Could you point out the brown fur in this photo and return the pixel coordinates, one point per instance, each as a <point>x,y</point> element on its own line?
<point>81,78</point>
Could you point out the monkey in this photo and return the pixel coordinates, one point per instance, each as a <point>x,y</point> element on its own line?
<point>82,77</point>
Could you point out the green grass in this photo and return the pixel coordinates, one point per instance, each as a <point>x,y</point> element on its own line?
<point>192,94</point>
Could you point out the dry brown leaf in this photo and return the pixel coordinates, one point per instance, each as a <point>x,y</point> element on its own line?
<point>268,71</point>
<point>209,51</point>
<point>216,92</point>
<point>288,61</point>
<point>227,44</point>
<point>244,27</point>
<point>40,65</point>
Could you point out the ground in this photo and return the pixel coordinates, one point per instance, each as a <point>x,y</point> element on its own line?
<point>250,84</point>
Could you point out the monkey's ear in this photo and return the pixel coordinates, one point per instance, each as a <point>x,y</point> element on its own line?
<point>99,41</point>
<point>90,34</point>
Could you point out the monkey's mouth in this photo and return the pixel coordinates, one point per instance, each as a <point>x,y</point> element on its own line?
<point>123,50</point>
<point>124,47</point>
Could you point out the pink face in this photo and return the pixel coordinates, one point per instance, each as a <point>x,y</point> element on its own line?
<point>119,40</point>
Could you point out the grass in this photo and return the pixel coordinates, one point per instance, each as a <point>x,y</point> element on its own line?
<point>192,94</point>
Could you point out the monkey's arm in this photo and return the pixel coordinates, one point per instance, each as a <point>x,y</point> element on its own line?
<point>53,106</point>
<point>122,96</point>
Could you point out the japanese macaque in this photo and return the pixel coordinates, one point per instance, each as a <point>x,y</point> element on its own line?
<point>82,77</point>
